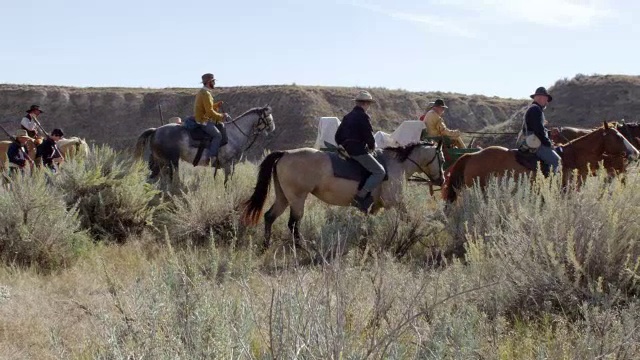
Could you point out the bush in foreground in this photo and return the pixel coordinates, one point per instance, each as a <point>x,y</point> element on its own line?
<point>36,227</point>
<point>110,192</point>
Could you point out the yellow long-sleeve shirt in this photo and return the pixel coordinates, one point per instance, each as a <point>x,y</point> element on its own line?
<point>436,127</point>
<point>205,109</point>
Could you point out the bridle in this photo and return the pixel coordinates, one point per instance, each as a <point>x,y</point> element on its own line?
<point>258,127</point>
<point>435,156</point>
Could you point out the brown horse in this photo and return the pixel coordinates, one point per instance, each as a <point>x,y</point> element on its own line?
<point>614,163</point>
<point>582,154</point>
<point>300,172</point>
<point>564,134</point>
<point>4,147</point>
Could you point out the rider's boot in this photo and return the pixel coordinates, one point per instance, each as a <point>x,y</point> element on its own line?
<point>363,203</point>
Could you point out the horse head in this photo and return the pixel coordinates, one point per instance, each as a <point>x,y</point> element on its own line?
<point>615,143</point>
<point>428,157</point>
<point>265,122</point>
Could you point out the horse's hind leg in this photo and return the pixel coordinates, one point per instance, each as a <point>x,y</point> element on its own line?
<point>278,207</point>
<point>295,216</point>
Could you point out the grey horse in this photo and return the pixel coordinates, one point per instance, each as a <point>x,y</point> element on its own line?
<point>170,143</point>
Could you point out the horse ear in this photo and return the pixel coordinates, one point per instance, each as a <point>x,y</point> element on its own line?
<point>606,125</point>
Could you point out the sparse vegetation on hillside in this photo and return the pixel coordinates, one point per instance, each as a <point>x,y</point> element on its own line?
<point>116,116</point>
<point>582,101</point>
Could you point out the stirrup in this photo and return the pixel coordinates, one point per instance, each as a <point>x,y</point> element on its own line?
<point>363,203</point>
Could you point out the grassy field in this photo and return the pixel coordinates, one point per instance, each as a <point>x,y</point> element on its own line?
<point>97,264</point>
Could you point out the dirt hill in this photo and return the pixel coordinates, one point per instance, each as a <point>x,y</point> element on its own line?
<point>116,116</point>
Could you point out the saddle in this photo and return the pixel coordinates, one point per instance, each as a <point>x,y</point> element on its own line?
<point>199,138</point>
<point>347,168</point>
<point>530,160</point>
<point>198,135</point>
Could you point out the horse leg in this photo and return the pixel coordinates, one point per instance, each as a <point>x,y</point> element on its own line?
<point>278,207</point>
<point>154,167</point>
<point>228,173</point>
<point>295,216</point>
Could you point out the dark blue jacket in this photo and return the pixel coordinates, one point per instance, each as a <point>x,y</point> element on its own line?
<point>355,133</point>
<point>48,151</point>
<point>534,123</point>
<point>16,155</point>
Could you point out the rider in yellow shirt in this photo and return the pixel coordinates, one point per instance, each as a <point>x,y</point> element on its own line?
<point>207,113</point>
<point>436,127</point>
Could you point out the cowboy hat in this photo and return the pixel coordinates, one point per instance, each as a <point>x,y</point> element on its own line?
<point>541,91</point>
<point>440,103</point>
<point>364,96</point>
<point>22,133</point>
<point>34,108</point>
<point>207,77</point>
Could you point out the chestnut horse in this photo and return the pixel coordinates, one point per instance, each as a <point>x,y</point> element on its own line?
<point>564,134</point>
<point>300,172</point>
<point>582,154</point>
<point>614,163</point>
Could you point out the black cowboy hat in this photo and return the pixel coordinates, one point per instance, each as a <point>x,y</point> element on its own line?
<point>57,132</point>
<point>440,103</point>
<point>542,91</point>
<point>35,107</point>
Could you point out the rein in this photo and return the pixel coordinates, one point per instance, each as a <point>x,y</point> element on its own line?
<point>259,127</point>
<point>438,152</point>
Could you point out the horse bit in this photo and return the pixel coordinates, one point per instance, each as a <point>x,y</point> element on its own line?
<point>436,156</point>
<point>257,129</point>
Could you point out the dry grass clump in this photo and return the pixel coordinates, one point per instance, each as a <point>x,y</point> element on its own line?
<point>36,227</point>
<point>111,194</point>
<point>553,250</point>
<point>204,210</point>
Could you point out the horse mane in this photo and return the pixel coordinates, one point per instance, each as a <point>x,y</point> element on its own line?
<point>252,110</point>
<point>593,131</point>
<point>402,152</point>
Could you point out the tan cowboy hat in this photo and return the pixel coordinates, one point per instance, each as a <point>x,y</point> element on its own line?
<point>364,96</point>
<point>22,133</point>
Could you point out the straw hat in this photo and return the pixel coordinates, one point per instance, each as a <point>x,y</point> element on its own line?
<point>364,96</point>
<point>22,133</point>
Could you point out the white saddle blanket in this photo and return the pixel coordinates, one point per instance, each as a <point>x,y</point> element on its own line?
<point>408,132</point>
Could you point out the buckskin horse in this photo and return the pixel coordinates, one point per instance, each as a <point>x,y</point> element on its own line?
<point>299,172</point>
<point>171,142</point>
<point>582,154</point>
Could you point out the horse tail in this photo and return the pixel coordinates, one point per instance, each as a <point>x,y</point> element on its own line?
<point>141,144</point>
<point>455,180</point>
<point>253,206</point>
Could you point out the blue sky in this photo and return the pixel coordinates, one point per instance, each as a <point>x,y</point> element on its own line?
<point>501,48</point>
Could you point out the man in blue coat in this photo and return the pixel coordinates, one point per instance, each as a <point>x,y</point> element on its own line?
<point>534,124</point>
<point>355,135</point>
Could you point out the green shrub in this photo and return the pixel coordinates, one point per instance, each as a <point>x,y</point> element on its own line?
<point>36,227</point>
<point>552,249</point>
<point>110,192</point>
<point>205,210</point>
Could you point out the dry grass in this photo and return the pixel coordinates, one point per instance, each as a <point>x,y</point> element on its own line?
<point>547,274</point>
